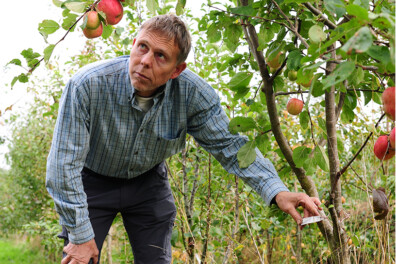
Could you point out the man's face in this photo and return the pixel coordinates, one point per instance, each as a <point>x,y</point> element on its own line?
<point>153,62</point>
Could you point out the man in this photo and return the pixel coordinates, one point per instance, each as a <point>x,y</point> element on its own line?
<point>118,121</point>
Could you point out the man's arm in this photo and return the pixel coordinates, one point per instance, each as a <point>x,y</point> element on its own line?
<point>208,124</point>
<point>69,148</point>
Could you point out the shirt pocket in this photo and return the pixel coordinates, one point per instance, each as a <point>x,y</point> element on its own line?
<point>167,146</point>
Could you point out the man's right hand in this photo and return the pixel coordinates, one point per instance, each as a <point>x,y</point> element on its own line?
<point>81,254</point>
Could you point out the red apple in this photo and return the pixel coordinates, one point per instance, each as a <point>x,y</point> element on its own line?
<point>93,33</point>
<point>113,10</point>
<point>381,147</point>
<point>307,84</point>
<point>388,99</point>
<point>392,138</point>
<point>294,106</point>
<point>93,20</point>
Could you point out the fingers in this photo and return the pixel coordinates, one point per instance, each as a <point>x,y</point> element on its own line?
<point>66,259</point>
<point>95,260</point>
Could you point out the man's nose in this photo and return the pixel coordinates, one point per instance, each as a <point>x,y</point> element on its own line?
<point>147,59</point>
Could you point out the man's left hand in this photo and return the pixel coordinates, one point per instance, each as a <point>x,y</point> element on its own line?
<point>289,201</point>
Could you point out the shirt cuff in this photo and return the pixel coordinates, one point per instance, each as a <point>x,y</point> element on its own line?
<point>276,186</point>
<point>81,234</point>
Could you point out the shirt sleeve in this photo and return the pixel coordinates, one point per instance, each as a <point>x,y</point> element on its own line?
<point>70,145</point>
<point>208,124</point>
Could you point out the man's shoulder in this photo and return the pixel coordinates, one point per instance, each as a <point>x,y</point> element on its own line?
<point>102,68</point>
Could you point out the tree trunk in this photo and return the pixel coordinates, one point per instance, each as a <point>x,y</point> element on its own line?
<point>340,254</point>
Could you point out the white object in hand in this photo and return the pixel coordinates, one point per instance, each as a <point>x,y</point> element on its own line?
<point>310,220</point>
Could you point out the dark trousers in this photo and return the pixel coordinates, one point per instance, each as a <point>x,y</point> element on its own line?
<point>147,208</point>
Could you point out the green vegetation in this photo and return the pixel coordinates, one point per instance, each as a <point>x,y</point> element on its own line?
<point>20,253</point>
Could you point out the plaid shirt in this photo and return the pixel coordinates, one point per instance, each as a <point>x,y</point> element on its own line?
<point>100,126</point>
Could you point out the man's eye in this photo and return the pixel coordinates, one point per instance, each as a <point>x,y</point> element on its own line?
<point>161,56</point>
<point>142,46</point>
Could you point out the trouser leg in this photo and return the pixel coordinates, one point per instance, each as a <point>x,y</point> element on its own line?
<point>103,201</point>
<point>148,212</point>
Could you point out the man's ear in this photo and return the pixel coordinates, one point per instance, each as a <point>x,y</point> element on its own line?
<point>179,69</point>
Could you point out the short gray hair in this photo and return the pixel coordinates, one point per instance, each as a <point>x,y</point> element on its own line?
<point>174,28</point>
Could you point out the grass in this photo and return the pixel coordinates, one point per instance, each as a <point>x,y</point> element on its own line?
<point>12,252</point>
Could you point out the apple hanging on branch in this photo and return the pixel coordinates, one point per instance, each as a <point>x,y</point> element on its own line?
<point>112,9</point>
<point>382,148</point>
<point>392,138</point>
<point>388,100</point>
<point>294,106</point>
<point>93,27</point>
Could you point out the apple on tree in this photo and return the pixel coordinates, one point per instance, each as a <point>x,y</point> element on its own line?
<point>276,62</point>
<point>93,27</point>
<point>388,100</point>
<point>382,149</point>
<point>112,9</point>
<point>294,106</point>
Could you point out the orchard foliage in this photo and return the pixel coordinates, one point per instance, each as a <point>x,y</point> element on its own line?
<point>336,57</point>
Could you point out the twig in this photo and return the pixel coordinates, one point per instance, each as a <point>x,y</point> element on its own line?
<point>357,153</point>
<point>315,11</point>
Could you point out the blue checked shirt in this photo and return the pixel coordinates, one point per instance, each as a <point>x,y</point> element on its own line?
<point>100,126</point>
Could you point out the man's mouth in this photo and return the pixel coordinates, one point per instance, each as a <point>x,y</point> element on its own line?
<point>141,75</point>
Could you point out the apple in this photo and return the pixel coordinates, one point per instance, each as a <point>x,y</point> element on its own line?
<point>343,200</point>
<point>392,138</point>
<point>381,147</point>
<point>276,62</point>
<point>93,33</point>
<point>294,106</point>
<point>112,9</point>
<point>93,20</point>
<point>388,99</point>
<point>292,75</point>
<point>307,84</point>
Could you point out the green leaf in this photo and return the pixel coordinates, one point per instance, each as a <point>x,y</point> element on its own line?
<point>360,42</point>
<point>355,240</point>
<point>357,77</point>
<point>231,36</point>
<point>16,62</point>
<point>340,74</point>
<point>179,9</point>
<point>358,11</point>
<point>240,80</point>
<point>321,158</point>
<point>300,155</point>
<point>304,119</point>
<point>107,30</point>
<point>335,6</point>
<point>14,80</point>
<point>69,20</point>
<point>278,83</point>
<point>241,124</point>
<point>23,78</point>
<point>28,54</point>
<point>213,33</point>
<point>48,52</point>
<point>244,10</point>
<point>152,5</point>
<point>322,124</point>
<point>316,34</point>
<point>48,27</point>
<point>294,60</point>
<point>347,114</point>
<point>78,7</point>
<point>380,53</point>
<point>247,154</point>
<point>57,3</point>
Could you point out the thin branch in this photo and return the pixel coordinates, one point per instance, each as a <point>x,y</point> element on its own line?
<point>317,12</point>
<point>357,153</point>
<point>291,26</point>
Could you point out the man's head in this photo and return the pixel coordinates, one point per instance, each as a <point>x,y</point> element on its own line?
<point>158,53</point>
